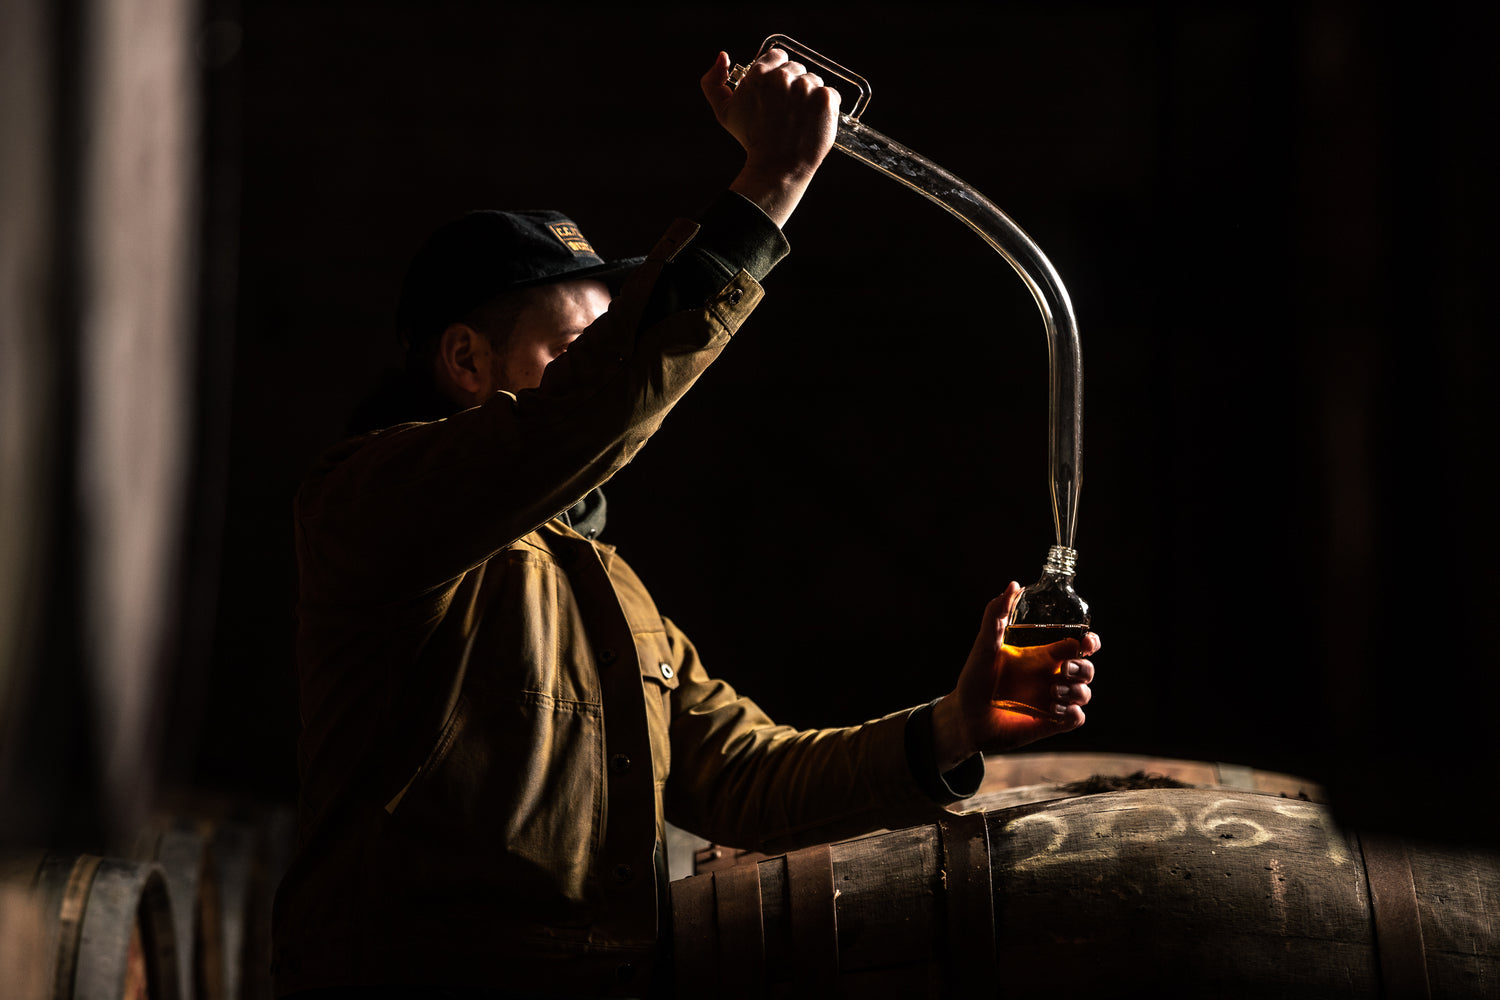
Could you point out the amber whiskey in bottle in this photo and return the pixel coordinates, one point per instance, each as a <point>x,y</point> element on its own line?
<point>1047,611</point>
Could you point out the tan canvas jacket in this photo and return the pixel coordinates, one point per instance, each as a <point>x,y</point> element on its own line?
<point>497,720</point>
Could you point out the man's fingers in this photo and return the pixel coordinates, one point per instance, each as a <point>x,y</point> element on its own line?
<point>770,62</point>
<point>773,58</point>
<point>991,630</point>
<point>1078,672</point>
<point>1072,694</point>
<point>1071,717</point>
<point>808,82</point>
<point>1010,595</point>
<point>794,73</point>
<point>1069,649</point>
<point>996,609</point>
<point>715,84</point>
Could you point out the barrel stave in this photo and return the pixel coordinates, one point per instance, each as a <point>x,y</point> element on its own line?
<point>1189,886</point>
<point>888,890</point>
<point>1458,897</point>
<point>128,904</point>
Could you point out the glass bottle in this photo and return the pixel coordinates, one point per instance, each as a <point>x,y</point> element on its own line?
<point>1047,611</point>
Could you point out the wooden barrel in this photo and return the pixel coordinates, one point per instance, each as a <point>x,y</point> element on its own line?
<point>250,855</point>
<point>183,849</point>
<point>1151,892</point>
<point>105,924</point>
<point>222,860</point>
<point>1015,779</point>
<point>251,847</point>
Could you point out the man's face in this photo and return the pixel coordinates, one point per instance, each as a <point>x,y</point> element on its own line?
<point>551,321</point>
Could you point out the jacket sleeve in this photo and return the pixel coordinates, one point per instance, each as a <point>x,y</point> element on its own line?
<point>739,779</point>
<point>402,511</point>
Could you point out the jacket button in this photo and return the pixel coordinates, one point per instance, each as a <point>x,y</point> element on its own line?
<point>735,296</point>
<point>606,656</point>
<point>623,873</point>
<point>619,763</point>
<point>666,670</point>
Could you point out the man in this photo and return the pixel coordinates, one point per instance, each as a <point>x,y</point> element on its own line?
<point>497,720</point>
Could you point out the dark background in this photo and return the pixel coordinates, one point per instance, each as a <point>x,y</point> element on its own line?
<point>1269,218</point>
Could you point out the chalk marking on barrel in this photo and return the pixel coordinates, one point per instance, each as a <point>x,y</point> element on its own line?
<point>1338,850</point>
<point>1178,825</point>
<point>1101,826</point>
<point>1095,825</point>
<point>1059,835</point>
<point>1210,828</point>
<point>1278,893</point>
<point>1099,836</point>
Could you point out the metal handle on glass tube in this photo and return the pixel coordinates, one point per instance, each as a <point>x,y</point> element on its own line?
<point>1064,354</point>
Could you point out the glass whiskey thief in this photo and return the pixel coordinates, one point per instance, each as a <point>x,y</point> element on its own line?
<point>1047,611</point>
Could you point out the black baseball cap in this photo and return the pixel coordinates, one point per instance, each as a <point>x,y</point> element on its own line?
<point>470,260</point>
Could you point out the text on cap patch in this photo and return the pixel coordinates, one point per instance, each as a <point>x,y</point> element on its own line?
<point>571,237</point>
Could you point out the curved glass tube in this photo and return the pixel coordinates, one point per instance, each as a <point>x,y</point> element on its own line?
<point>1064,354</point>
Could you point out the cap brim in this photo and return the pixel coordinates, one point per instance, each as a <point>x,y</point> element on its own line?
<point>612,272</point>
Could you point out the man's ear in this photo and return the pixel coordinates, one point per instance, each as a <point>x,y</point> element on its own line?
<point>463,365</point>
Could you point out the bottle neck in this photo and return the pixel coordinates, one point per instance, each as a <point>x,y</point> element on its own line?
<point>1061,562</point>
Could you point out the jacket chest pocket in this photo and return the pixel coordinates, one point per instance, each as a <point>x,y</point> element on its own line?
<point>658,681</point>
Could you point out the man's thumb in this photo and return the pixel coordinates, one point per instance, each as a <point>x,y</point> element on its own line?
<point>715,83</point>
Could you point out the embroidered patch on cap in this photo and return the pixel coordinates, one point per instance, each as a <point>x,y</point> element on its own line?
<point>571,237</point>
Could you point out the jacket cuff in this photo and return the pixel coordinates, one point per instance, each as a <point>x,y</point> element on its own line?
<point>942,787</point>
<point>737,235</point>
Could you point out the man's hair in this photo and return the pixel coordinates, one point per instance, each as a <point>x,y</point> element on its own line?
<point>413,394</point>
<point>494,318</point>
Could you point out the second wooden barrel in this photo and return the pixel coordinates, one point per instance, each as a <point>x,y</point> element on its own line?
<point>222,860</point>
<point>1155,892</point>
<point>104,926</point>
<point>182,851</point>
